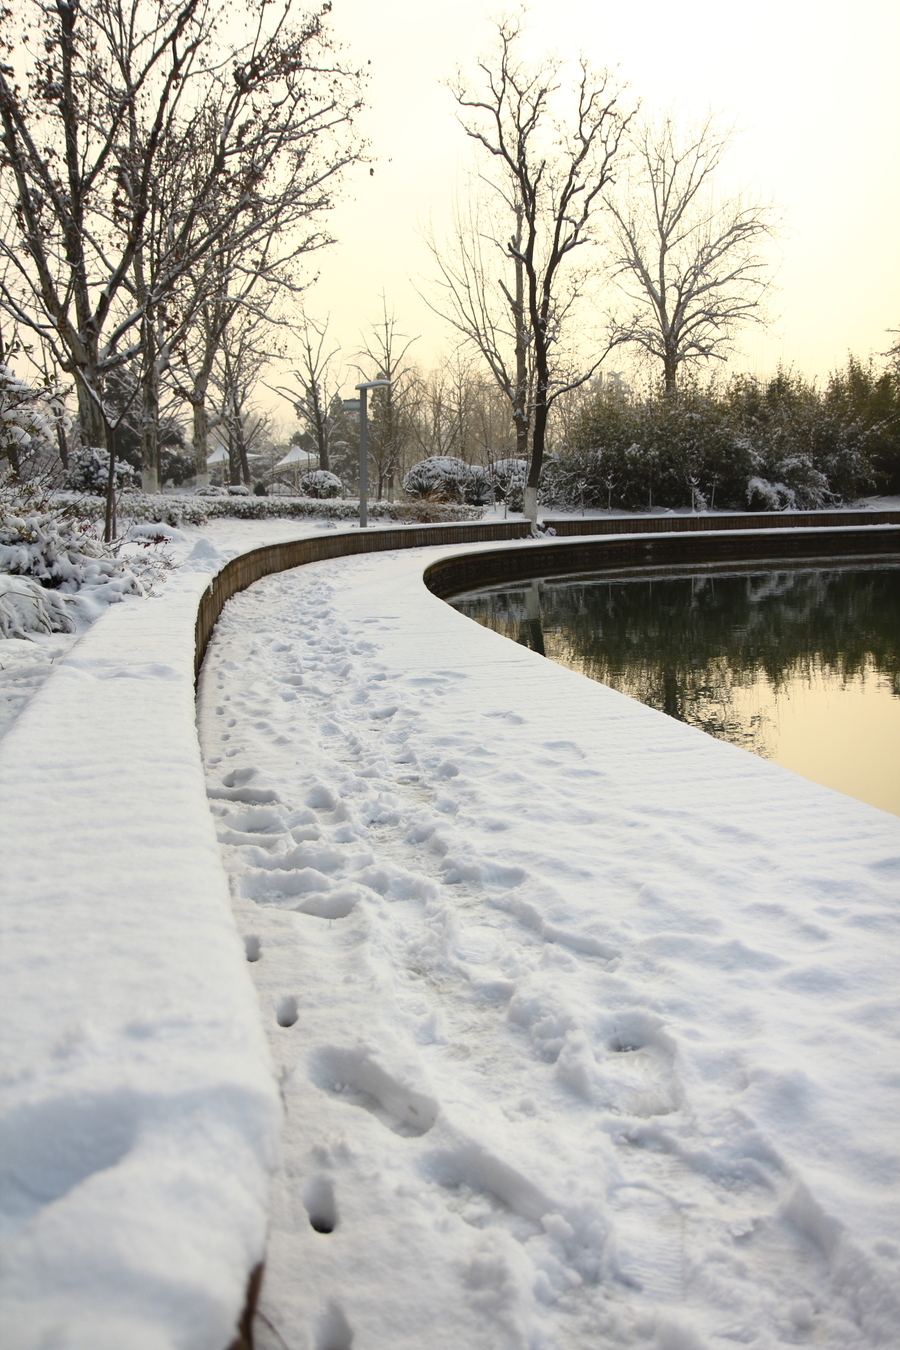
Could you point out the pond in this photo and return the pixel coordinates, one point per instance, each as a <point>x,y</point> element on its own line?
<point>798,664</point>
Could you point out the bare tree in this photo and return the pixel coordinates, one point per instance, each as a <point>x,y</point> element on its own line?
<point>314,397</point>
<point>384,357</point>
<point>693,265</point>
<point>554,158</point>
<point>486,309</point>
<point>120,93</point>
<point>244,350</point>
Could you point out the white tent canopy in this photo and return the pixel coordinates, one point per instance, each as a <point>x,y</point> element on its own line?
<point>218,456</point>
<point>305,458</point>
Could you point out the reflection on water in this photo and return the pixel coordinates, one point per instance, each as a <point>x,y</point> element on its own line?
<point>798,664</point>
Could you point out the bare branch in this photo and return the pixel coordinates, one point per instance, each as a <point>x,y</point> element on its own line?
<point>694,266</point>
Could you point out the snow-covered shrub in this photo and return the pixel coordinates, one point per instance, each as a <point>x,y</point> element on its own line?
<point>268,508</point>
<point>46,547</point>
<point>211,490</point>
<point>509,477</point>
<point>180,510</point>
<point>26,607</point>
<point>196,510</point>
<point>765,496</point>
<point>29,417</point>
<point>440,477</point>
<point>320,484</point>
<point>89,471</point>
<point>479,490</point>
<point>238,490</point>
<point>808,485</point>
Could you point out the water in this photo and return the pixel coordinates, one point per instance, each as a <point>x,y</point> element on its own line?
<point>800,665</point>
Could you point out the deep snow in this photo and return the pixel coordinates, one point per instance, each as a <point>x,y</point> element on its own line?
<point>585,1024</point>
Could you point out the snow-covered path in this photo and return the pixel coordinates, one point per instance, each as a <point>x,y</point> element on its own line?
<point>586,1024</point>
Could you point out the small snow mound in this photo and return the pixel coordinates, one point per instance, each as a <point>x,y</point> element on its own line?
<point>202,550</point>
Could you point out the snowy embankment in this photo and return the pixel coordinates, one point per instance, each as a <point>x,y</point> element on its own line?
<point>139,1115</point>
<point>585,1024</point>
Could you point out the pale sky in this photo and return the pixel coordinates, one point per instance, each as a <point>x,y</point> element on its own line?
<point>812,84</point>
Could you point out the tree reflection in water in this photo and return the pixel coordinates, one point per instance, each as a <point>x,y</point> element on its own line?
<point>684,643</point>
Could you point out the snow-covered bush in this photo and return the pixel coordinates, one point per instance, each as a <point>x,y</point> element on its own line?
<point>196,509</point>
<point>51,559</point>
<point>509,477</point>
<point>211,490</point>
<point>765,496</point>
<point>479,489</point>
<point>29,417</point>
<point>320,484</point>
<point>89,471</point>
<point>440,477</point>
<point>238,490</point>
<point>26,607</point>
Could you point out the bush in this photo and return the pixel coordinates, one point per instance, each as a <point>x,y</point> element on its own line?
<point>509,477</point>
<point>195,509</point>
<point>89,472</point>
<point>49,555</point>
<point>479,490</point>
<point>29,417</point>
<point>440,478</point>
<point>321,485</point>
<point>765,496</point>
<point>770,444</point>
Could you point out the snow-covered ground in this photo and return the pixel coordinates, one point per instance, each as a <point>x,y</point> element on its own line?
<point>138,1113</point>
<point>25,663</point>
<point>586,1025</point>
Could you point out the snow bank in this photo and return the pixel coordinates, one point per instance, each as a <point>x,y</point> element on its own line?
<point>139,1110</point>
<point>586,1024</point>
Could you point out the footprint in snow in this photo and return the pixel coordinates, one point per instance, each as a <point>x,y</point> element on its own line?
<point>334,1331</point>
<point>361,1080</point>
<point>639,1076</point>
<point>319,1203</point>
<point>287,1012</point>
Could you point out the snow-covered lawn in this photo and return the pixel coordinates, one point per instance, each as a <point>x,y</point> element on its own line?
<point>585,1024</point>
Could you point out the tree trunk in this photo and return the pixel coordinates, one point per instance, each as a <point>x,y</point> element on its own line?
<point>234,464</point>
<point>149,416</point>
<point>520,393</point>
<point>539,435</point>
<point>91,426</point>
<point>245,462</point>
<point>201,438</point>
<point>62,445</point>
<point>321,429</point>
<point>670,371</point>
<point>110,524</point>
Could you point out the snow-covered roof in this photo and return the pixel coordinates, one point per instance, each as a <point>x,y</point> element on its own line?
<point>297,456</point>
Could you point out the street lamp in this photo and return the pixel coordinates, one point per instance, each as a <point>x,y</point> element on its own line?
<point>360,405</point>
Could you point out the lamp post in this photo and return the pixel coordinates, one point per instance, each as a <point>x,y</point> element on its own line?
<point>361,406</point>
